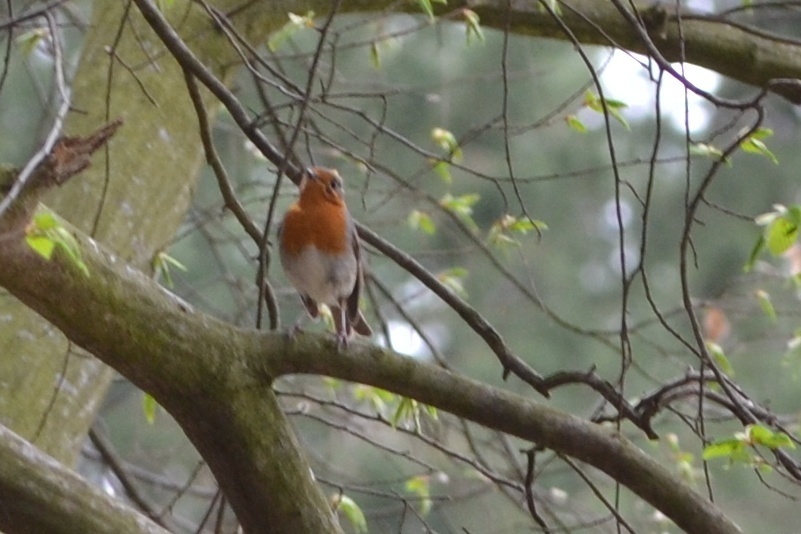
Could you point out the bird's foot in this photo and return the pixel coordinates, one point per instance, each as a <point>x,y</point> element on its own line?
<point>342,341</point>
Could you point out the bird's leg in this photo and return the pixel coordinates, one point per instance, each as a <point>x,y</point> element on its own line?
<point>342,328</point>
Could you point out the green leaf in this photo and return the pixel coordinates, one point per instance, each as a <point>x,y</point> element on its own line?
<point>166,259</point>
<point>735,448</point>
<point>595,103</point>
<point>447,141</point>
<point>421,487</point>
<point>420,220</point>
<point>761,133</point>
<point>781,231</point>
<point>379,398</point>
<point>725,448</point>
<point>149,407</point>
<point>720,358</point>
<point>443,170</point>
<point>428,9</point>
<point>753,144</point>
<point>162,262</point>
<point>759,246</point>
<point>781,235</point>
<point>67,243</point>
<point>462,206</point>
<point>28,41</point>
<point>575,123</point>
<point>44,234</point>
<point>352,512</point>
<point>410,409</point>
<point>555,7</point>
<point>521,225</point>
<point>45,220</point>
<point>295,24</point>
<point>616,114</point>
<point>407,408</point>
<point>758,434</point>
<point>780,439</point>
<point>536,224</point>
<point>762,435</point>
<point>615,104</point>
<point>499,239</point>
<point>592,101</point>
<point>764,302</point>
<point>709,151</point>
<point>431,411</point>
<point>42,245</point>
<point>498,234</point>
<point>473,25</point>
<point>375,57</point>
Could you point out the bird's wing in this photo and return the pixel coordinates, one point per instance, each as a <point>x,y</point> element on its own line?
<point>355,295</point>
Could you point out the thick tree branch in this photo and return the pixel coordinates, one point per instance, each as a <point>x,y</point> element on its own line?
<point>235,423</point>
<point>603,448</point>
<point>215,380</point>
<point>194,365</point>
<point>32,482</point>
<point>739,52</point>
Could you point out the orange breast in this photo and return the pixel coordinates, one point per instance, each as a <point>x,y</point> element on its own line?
<point>323,225</point>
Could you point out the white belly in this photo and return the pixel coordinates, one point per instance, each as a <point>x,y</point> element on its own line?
<point>324,278</point>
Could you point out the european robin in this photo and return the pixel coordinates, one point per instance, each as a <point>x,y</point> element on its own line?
<point>320,254</point>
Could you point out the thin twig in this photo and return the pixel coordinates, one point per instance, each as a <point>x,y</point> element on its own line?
<point>58,122</point>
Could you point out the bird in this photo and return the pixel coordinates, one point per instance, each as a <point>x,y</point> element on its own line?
<point>320,253</point>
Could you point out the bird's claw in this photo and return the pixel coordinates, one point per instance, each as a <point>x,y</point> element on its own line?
<point>342,341</point>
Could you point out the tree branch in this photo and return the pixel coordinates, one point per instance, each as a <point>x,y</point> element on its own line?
<point>215,380</point>
<point>32,482</point>
<point>739,52</point>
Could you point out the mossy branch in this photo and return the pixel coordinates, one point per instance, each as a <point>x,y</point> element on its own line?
<point>32,482</point>
<point>216,379</point>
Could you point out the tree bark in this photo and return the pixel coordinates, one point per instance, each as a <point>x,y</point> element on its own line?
<point>39,494</point>
<point>132,203</point>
